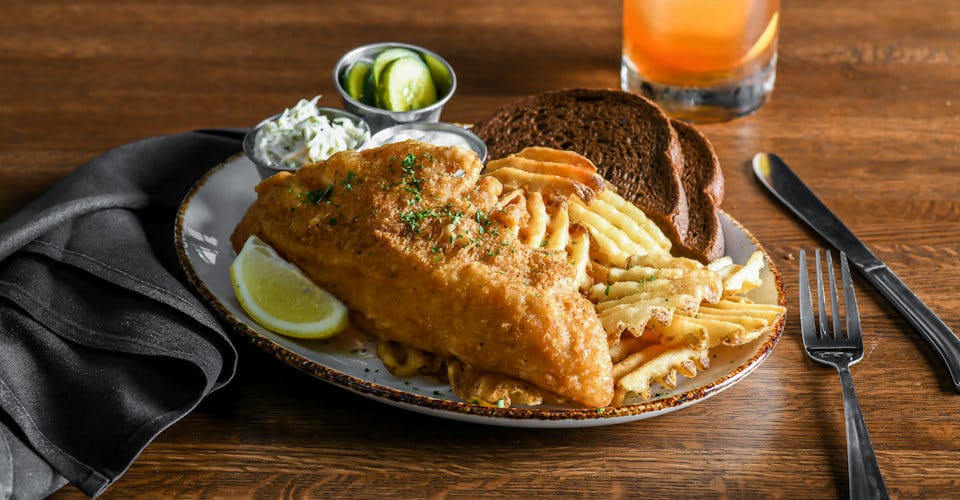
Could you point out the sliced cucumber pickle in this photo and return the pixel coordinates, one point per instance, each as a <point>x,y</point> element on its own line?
<point>380,62</point>
<point>369,90</point>
<point>439,73</point>
<point>405,84</point>
<point>355,79</point>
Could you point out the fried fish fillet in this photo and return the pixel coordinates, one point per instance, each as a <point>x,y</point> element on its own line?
<point>408,236</point>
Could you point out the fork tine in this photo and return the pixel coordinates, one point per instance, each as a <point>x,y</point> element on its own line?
<point>808,330</point>
<point>823,325</point>
<point>850,301</point>
<point>834,297</point>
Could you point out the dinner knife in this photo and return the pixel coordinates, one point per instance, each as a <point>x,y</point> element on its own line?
<point>777,177</point>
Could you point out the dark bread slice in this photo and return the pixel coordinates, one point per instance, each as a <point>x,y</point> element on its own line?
<point>703,183</point>
<point>627,137</point>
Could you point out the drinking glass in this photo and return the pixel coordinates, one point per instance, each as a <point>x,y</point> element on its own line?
<point>701,60</point>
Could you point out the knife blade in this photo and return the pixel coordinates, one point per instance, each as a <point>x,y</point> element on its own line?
<point>784,184</point>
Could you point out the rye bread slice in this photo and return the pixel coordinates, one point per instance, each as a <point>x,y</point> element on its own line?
<point>703,183</point>
<point>627,137</point>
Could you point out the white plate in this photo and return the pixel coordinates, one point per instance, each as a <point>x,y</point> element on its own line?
<point>215,205</point>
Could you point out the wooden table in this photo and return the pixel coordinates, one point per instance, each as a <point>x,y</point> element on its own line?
<point>866,109</point>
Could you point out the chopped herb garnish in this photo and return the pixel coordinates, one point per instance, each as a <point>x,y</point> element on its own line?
<point>483,219</point>
<point>347,184</point>
<point>413,218</point>
<point>318,195</point>
<point>606,291</point>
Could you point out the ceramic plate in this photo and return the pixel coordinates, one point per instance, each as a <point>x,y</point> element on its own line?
<point>218,201</point>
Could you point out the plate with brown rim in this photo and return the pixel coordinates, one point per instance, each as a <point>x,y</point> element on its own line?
<point>219,199</point>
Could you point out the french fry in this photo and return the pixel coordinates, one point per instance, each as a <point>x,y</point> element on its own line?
<point>583,176</point>
<point>607,251</point>
<point>557,156</point>
<point>673,301</point>
<point>535,230</point>
<point>684,332</point>
<point>623,346</point>
<point>658,363</point>
<point>739,279</point>
<point>513,178</point>
<point>616,201</point>
<point>663,262</point>
<point>714,331</point>
<point>637,359</point>
<point>490,389</point>
<point>634,317</point>
<point>512,212</point>
<point>643,274</point>
<point>734,308</point>
<point>403,360</point>
<point>720,265</point>
<point>578,255</point>
<point>598,225</point>
<point>559,228</point>
<point>597,271</point>
<point>633,229</point>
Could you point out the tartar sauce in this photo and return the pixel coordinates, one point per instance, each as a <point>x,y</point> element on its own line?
<point>302,134</point>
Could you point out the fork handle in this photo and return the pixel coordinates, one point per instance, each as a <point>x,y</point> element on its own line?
<point>926,322</point>
<point>865,479</point>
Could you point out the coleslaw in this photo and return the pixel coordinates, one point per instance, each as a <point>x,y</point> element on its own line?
<point>302,134</point>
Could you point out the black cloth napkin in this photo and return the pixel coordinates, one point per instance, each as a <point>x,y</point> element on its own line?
<point>103,345</point>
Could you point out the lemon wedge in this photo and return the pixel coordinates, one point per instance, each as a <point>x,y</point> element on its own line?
<point>278,296</point>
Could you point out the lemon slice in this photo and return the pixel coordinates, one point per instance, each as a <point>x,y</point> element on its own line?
<point>280,297</point>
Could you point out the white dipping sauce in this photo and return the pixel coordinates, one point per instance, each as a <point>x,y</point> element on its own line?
<point>435,137</point>
<point>436,133</point>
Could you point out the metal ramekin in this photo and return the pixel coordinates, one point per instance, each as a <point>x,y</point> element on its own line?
<point>266,169</point>
<point>377,118</point>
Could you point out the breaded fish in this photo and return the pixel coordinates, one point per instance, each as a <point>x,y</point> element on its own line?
<point>408,236</point>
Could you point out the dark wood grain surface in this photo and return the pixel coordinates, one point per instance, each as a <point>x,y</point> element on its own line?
<point>866,109</point>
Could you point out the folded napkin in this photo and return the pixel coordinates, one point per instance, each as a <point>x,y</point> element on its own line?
<point>103,345</point>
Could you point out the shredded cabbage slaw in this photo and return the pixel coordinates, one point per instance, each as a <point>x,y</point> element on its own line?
<point>302,135</point>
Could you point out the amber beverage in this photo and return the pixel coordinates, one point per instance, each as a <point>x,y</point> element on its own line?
<point>701,60</point>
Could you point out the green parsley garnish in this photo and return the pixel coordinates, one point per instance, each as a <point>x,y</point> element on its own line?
<point>317,196</point>
<point>413,218</point>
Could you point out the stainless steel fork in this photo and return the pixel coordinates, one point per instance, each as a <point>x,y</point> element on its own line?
<point>827,344</point>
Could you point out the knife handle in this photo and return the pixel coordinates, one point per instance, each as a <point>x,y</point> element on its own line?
<point>925,321</point>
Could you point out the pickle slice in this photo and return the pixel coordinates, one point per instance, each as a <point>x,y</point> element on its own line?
<point>380,62</point>
<point>440,74</point>
<point>355,79</point>
<point>405,84</point>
